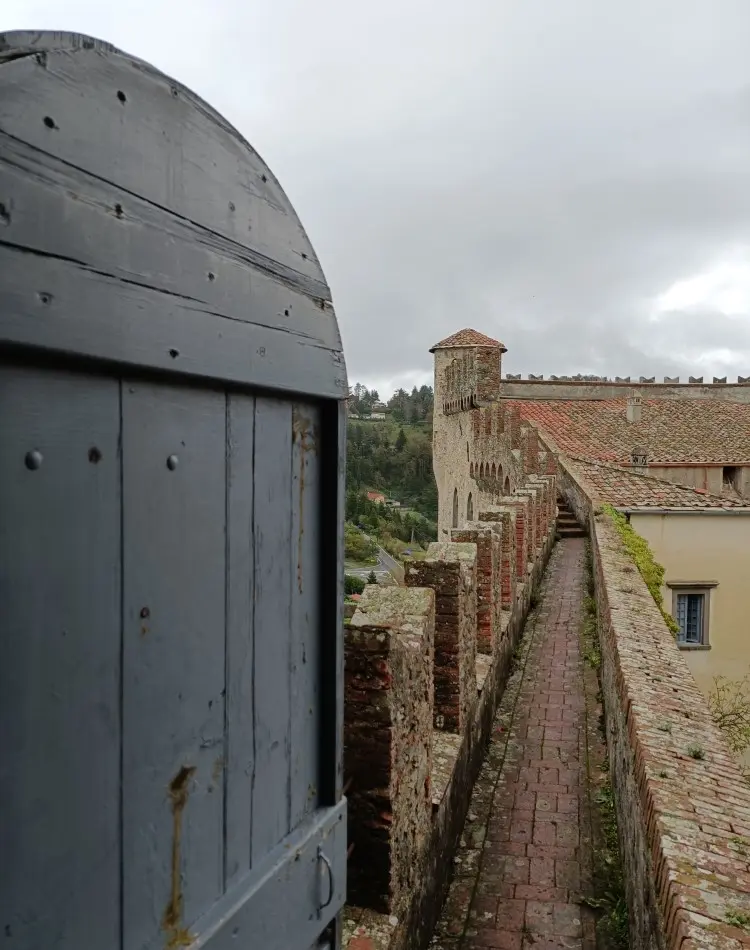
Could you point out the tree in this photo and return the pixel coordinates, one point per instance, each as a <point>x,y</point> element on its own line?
<point>358,547</point>
<point>371,578</point>
<point>400,440</point>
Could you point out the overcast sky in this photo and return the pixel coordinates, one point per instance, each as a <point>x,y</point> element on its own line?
<point>569,176</point>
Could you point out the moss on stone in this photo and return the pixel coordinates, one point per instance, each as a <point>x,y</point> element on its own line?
<point>650,570</point>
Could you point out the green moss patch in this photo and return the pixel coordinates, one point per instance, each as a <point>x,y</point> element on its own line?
<point>643,557</point>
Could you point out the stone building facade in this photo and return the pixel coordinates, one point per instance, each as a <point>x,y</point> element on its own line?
<point>487,429</point>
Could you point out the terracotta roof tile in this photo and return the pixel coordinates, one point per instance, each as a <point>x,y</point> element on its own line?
<point>626,489</point>
<point>689,431</point>
<point>468,338</point>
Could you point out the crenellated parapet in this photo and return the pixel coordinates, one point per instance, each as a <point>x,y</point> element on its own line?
<point>425,666</point>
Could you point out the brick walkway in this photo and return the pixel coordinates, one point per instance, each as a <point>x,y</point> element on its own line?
<point>525,855</point>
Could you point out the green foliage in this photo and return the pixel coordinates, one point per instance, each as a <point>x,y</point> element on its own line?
<point>695,751</point>
<point>729,702</point>
<point>362,399</point>
<point>612,926</point>
<point>589,631</point>
<point>379,458</point>
<point>358,547</point>
<point>371,578</point>
<point>609,900</point>
<point>353,584</point>
<point>643,557</point>
<point>388,523</point>
<point>740,844</point>
<point>737,918</point>
<point>412,407</point>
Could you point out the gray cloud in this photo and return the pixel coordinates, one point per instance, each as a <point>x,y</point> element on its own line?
<point>540,171</point>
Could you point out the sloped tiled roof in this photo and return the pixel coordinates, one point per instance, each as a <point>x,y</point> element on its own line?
<point>689,431</point>
<point>468,338</point>
<point>627,489</point>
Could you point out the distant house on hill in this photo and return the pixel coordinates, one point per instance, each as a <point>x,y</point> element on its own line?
<point>377,497</point>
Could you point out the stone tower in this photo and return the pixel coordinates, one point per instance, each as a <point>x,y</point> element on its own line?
<point>468,368</point>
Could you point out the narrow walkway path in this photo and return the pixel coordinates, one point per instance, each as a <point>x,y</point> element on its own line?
<point>525,855</point>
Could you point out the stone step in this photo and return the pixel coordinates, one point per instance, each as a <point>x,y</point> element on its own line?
<point>576,532</point>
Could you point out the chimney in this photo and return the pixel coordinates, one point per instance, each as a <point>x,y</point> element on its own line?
<point>639,460</point>
<point>634,408</point>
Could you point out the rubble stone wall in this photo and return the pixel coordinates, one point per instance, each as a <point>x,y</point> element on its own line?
<point>388,690</point>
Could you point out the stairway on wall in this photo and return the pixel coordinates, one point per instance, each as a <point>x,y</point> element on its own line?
<point>567,525</point>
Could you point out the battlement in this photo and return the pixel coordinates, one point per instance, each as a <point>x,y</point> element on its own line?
<point>468,375</point>
<point>668,380</point>
<point>516,387</point>
<point>425,665</point>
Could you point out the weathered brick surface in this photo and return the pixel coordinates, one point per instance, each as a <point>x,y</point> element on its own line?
<point>524,551</point>
<point>529,449</point>
<point>684,819</point>
<point>450,569</point>
<point>413,921</point>
<point>550,480</point>
<point>488,539</point>
<point>525,858</point>
<point>388,699</point>
<point>536,532</point>
<point>487,372</point>
<point>506,518</point>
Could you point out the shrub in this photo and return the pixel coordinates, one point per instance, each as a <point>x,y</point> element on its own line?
<point>353,585</point>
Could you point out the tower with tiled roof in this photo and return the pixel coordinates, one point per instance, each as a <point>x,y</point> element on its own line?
<point>468,370</point>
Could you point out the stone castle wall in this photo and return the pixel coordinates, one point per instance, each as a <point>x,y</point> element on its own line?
<point>482,453</point>
<point>425,666</point>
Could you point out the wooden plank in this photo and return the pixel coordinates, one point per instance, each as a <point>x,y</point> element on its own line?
<point>174,506</point>
<point>153,246</point>
<point>59,659</point>
<point>279,906</point>
<point>272,541</point>
<point>162,143</point>
<point>56,305</point>
<point>305,617</point>
<point>239,642</point>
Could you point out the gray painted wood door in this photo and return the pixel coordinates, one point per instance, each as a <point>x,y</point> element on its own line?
<point>170,540</point>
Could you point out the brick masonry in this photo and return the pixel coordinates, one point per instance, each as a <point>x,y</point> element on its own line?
<point>488,540</point>
<point>525,857</point>
<point>393,905</point>
<point>683,807</point>
<point>450,569</point>
<point>388,692</point>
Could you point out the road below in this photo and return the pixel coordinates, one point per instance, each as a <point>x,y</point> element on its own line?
<point>386,565</point>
